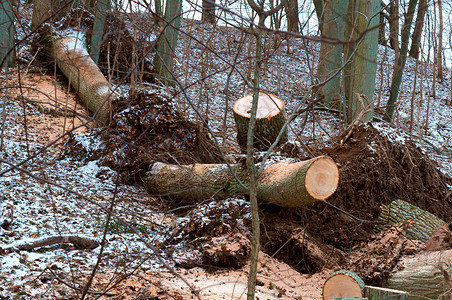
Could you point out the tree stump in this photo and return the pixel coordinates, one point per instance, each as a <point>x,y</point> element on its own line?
<point>343,283</point>
<point>270,119</point>
<point>284,184</point>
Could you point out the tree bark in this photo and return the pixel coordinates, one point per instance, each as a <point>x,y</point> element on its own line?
<point>98,29</point>
<point>270,119</point>
<point>330,58</point>
<point>291,8</point>
<point>394,26</point>
<point>418,27</point>
<point>84,75</point>
<point>283,184</point>
<point>439,56</point>
<point>425,275</point>
<point>360,73</point>
<point>379,293</point>
<point>208,11</point>
<point>420,224</point>
<point>7,33</point>
<point>400,62</point>
<point>318,4</point>
<point>166,45</point>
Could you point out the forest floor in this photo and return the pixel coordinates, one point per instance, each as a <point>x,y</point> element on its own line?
<point>68,177</point>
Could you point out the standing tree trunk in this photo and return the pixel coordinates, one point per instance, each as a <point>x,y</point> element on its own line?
<point>98,29</point>
<point>400,62</point>
<point>291,8</point>
<point>208,11</point>
<point>166,45</point>
<point>255,223</point>
<point>418,27</point>
<point>360,73</point>
<point>7,52</point>
<point>394,26</point>
<point>318,4</point>
<point>330,59</point>
<point>439,57</point>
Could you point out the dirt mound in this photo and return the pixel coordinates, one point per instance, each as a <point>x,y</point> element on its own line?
<point>152,129</point>
<point>374,171</point>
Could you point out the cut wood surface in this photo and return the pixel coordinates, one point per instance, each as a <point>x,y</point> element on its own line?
<point>285,184</point>
<point>420,224</point>
<point>76,240</point>
<point>270,119</point>
<point>88,81</point>
<point>344,284</point>
<point>425,275</point>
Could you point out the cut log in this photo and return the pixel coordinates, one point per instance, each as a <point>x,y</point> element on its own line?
<point>425,275</point>
<point>282,183</point>
<point>344,284</point>
<point>379,293</point>
<point>270,119</point>
<point>88,81</point>
<point>420,224</point>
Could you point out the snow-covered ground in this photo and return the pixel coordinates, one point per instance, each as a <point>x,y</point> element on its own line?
<point>77,202</point>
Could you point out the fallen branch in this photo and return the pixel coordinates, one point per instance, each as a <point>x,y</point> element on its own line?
<point>282,183</point>
<point>78,241</point>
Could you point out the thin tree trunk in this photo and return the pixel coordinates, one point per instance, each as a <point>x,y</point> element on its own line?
<point>158,7</point>
<point>381,31</point>
<point>394,26</point>
<point>439,56</point>
<point>98,29</point>
<point>166,45</point>
<point>208,11</point>
<point>360,73</point>
<point>318,4</point>
<point>400,63</point>
<point>7,52</point>
<point>418,27</point>
<point>291,7</point>
<point>330,58</point>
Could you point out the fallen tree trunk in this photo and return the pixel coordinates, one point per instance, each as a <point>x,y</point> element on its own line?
<point>282,183</point>
<point>425,275</point>
<point>270,119</point>
<point>84,75</point>
<point>420,224</point>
